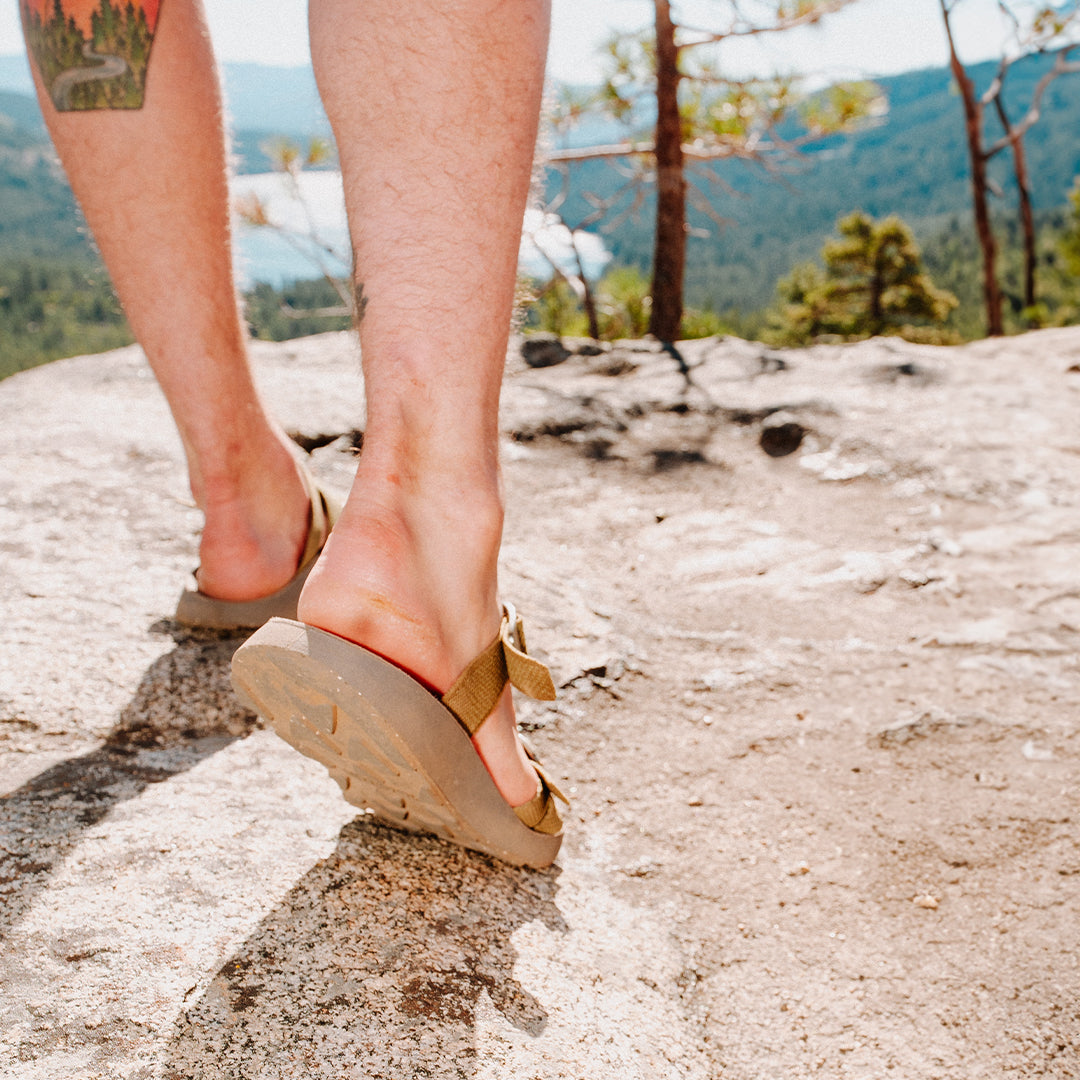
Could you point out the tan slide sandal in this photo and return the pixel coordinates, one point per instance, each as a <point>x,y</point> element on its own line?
<point>393,746</point>
<point>196,609</point>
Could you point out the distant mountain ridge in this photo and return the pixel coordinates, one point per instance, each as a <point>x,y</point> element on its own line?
<point>258,97</point>
<point>913,164</point>
<point>38,217</point>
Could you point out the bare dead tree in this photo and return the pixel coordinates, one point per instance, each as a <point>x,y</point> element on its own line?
<point>1048,28</point>
<point>290,161</point>
<point>600,209</point>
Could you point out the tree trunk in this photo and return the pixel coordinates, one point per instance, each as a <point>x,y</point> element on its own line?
<point>973,115</point>
<point>669,251</point>
<point>588,302</point>
<point>1027,221</point>
<point>877,289</point>
<point>1027,214</point>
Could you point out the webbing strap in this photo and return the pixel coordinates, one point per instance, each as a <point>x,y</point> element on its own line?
<point>320,521</point>
<point>474,695</point>
<point>540,813</point>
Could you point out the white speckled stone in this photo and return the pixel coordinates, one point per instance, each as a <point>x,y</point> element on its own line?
<point>184,896</point>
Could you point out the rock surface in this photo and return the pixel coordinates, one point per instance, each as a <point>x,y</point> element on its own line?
<point>817,716</point>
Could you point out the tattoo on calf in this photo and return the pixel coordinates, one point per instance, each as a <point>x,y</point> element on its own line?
<point>91,54</point>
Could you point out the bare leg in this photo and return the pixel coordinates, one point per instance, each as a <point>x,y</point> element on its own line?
<point>152,183</point>
<point>434,105</point>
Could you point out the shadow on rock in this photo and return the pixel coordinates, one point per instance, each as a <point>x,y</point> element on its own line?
<point>375,965</point>
<point>183,711</point>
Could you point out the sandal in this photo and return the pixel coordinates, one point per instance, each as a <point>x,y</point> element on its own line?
<point>392,745</point>
<point>196,609</point>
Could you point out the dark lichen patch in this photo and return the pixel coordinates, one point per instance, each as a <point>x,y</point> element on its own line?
<point>444,995</point>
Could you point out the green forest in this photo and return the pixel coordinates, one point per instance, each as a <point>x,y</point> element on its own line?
<point>910,162</point>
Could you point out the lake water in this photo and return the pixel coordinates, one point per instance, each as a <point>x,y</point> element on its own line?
<point>286,251</point>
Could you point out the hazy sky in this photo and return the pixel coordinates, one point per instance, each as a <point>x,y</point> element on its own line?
<point>875,37</point>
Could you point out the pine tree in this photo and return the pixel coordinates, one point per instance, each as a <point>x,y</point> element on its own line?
<point>1070,238</point>
<point>1050,29</point>
<point>873,283</point>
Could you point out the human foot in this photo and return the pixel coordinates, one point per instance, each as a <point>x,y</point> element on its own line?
<point>410,575</point>
<point>395,749</point>
<point>196,609</point>
<point>257,520</point>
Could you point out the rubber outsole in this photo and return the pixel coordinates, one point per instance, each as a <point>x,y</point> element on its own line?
<point>392,747</point>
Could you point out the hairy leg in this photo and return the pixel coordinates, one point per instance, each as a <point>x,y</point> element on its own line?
<point>434,104</point>
<point>151,179</point>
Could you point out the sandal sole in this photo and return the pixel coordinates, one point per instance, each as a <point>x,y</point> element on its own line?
<point>392,747</point>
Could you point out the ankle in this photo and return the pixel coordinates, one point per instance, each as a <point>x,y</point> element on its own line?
<point>411,576</point>
<point>429,478</point>
<point>434,441</point>
<point>232,467</point>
